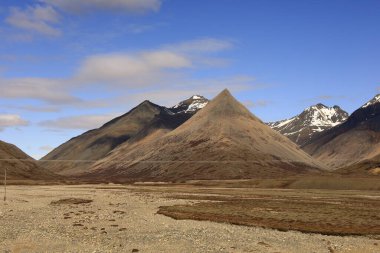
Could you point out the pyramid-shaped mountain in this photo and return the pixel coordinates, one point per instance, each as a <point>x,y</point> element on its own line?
<point>20,166</point>
<point>222,141</point>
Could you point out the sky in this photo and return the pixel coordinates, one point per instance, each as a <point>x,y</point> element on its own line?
<point>67,66</point>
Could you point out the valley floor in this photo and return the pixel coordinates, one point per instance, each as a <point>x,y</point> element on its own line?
<point>125,219</point>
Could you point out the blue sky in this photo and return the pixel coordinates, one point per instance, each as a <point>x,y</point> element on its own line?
<point>67,66</point>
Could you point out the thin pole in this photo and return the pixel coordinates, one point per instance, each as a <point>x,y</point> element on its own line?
<point>5,184</point>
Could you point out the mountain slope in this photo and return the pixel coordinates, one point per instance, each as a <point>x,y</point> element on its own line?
<point>79,153</point>
<point>311,122</point>
<point>222,141</point>
<point>354,141</point>
<point>21,166</point>
<point>367,167</point>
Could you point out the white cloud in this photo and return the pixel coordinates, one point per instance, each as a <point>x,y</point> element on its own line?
<point>142,69</point>
<point>205,45</point>
<point>34,108</point>
<point>172,94</point>
<point>52,95</point>
<point>203,51</point>
<point>132,6</point>
<point>43,18</point>
<point>255,104</point>
<point>49,90</point>
<point>164,75</point>
<point>11,120</point>
<point>38,19</point>
<point>154,67</point>
<point>46,148</point>
<point>317,99</point>
<point>140,28</point>
<point>20,37</point>
<point>83,122</point>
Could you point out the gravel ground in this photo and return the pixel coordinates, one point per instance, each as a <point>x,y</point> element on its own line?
<point>120,220</point>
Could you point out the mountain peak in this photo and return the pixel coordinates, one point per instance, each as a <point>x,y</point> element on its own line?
<point>195,97</point>
<point>190,105</point>
<point>145,106</point>
<point>225,96</point>
<point>225,105</point>
<point>225,92</point>
<point>146,102</point>
<point>319,105</point>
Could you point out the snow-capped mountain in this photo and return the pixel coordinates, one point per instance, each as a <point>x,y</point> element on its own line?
<point>311,121</point>
<point>190,105</point>
<point>354,145</point>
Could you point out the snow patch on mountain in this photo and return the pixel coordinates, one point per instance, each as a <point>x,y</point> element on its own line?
<point>196,106</point>
<point>321,116</point>
<point>373,101</point>
<point>190,105</point>
<point>197,97</point>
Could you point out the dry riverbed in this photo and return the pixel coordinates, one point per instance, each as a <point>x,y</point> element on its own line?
<point>107,218</point>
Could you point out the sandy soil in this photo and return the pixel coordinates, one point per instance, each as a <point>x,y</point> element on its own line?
<point>122,220</point>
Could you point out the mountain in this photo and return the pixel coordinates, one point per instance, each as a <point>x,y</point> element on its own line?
<point>224,140</point>
<point>191,105</point>
<point>311,122</point>
<point>21,166</point>
<point>79,153</point>
<point>355,141</point>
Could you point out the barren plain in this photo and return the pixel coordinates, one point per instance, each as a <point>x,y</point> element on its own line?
<point>116,218</point>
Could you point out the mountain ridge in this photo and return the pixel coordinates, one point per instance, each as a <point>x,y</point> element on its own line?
<point>80,152</point>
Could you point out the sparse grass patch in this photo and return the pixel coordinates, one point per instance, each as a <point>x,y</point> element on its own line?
<point>71,201</point>
<point>325,212</point>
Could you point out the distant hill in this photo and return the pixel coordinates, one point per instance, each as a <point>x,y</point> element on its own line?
<point>21,166</point>
<point>224,140</point>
